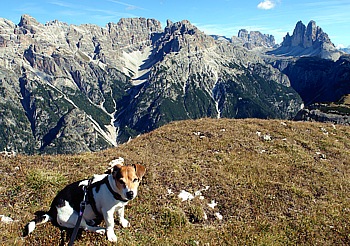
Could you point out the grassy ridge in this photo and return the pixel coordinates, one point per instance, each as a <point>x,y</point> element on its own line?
<point>275,183</point>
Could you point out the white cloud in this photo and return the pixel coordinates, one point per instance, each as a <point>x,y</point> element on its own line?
<point>266,4</point>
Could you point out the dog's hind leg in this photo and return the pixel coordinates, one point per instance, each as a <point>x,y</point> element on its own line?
<point>67,218</point>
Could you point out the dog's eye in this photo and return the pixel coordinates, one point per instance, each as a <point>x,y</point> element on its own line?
<point>121,182</point>
<point>135,180</point>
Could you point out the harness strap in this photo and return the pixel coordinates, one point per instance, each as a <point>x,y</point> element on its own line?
<point>81,212</point>
<point>116,195</point>
<point>89,199</point>
<point>97,185</point>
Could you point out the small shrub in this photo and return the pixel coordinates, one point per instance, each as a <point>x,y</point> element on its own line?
<point>172,218</point>
<point>195,213</point>
<point>38,180</point>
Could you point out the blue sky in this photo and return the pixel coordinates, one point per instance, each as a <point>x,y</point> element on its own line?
<point>222,17</point>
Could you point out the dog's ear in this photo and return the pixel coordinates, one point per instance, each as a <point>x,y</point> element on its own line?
<point>115,170</point>
<point>140,170</point>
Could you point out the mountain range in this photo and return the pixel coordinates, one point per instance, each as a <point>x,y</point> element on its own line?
<point>67,88</point>
<point>308,40</point>
<point>346,50</point>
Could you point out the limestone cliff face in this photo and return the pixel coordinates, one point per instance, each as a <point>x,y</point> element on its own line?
<point>67,88</point>
<point>308,40</point>
<point>255,39</point>
<point>318,80</point>
<point>65,81</point>
<point>311,36</point>
<point>195,76</point>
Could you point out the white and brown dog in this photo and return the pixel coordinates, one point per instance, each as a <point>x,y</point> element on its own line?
<point>106,194</point>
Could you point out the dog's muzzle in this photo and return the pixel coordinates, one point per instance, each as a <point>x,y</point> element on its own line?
<point>130,195</point>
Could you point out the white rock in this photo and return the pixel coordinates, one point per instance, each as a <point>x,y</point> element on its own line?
<point>213,204</point>
<point>6,220</point>
<point>198,193</point>
<point>205,216</point>
<point>267,137</point>
<point>119,160</point>
<point>321,155</point>
<point>219,216</point>
<point>184,195</point>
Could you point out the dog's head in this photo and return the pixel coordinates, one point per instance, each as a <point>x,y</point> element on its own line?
<point>127,179</point>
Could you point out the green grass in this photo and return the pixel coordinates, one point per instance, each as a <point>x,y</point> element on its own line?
<point>38,180</point>
<point>290,190</point>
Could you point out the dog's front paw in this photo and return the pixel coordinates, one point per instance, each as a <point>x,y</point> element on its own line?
<point>125,223</point>
<point>111,236</point>
<point>101,231</point>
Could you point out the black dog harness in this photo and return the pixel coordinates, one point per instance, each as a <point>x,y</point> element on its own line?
<point>89,199</point>
<point>97,186</point>
<point>81,212</point>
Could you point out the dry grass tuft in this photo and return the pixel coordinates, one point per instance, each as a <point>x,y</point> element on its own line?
<point>273,183</point>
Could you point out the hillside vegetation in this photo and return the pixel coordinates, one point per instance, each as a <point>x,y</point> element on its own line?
<point>273,182</point>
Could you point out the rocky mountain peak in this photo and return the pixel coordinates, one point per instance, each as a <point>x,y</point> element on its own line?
<point>307,37</point>
<point>131,31</point>
<point>70,88</point>
<point>27,20</point>
<point>28,23</point>
<point>308,40</point>
<point>180,35</point>
<point>255,39</point>
<point>181,27</point>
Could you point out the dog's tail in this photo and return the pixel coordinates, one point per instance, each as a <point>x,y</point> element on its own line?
<point>40,218</point>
